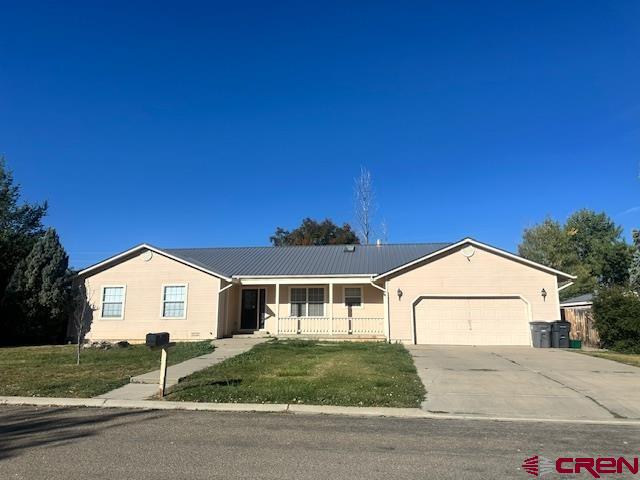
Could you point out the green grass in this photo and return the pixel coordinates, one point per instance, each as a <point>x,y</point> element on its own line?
<point>51,371</point>
<point>628,358</point>
<point>359,374</point>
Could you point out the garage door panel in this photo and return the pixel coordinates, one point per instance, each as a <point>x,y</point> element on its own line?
<point>472,321</point>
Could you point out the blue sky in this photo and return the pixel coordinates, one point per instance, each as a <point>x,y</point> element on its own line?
<point>204,124</point>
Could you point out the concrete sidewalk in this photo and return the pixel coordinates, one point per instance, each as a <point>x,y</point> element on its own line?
<point>146,385</point>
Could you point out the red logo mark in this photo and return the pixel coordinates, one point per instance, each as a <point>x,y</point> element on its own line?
<point>537,466</point>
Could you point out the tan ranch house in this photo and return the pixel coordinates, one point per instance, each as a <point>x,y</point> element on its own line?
<point>463,293</point>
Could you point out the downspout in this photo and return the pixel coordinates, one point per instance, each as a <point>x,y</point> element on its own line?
<point>568,284</point>
<point>387,323</point>
<point>226,304</point>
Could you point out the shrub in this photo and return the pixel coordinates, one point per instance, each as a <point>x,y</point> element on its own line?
<point>616,313</point>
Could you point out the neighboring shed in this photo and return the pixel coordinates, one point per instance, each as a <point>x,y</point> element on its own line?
<point>578,312</point>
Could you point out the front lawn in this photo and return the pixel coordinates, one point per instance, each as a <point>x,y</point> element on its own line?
<point>628,358</point>
<point>51,371</point>
<point>360,374</point>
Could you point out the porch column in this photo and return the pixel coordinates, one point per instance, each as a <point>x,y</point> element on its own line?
<point>331,308</point>
<point>277,308</point>
<point>387,318</point>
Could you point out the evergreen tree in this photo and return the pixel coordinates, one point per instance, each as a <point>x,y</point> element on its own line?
<point>38,294</point>
<point>20,226</point>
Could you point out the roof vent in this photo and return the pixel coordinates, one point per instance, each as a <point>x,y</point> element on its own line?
<point>378,243</point>
<point>349,248</point>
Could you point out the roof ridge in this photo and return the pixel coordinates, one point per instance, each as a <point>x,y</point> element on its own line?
<point>306,246</point>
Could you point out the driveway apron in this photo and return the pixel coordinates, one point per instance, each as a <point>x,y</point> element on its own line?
<point>523,382</point>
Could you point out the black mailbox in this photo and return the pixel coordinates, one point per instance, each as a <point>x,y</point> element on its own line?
<point>160,339</point>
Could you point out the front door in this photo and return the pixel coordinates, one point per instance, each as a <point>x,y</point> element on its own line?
<point>253,307</point>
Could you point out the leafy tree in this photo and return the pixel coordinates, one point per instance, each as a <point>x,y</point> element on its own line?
<point>38,294</point>
<point>548,244</point>
<point>589,245</point>
<point>634,271</point>
<point>311,232</point>
<point>20,226</point>
<point>616,314</point>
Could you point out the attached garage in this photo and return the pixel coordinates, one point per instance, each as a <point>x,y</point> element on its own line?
<point>472,321</point>
<point>470,294</point>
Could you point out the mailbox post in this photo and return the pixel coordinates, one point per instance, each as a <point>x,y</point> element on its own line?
<point>160,341</point>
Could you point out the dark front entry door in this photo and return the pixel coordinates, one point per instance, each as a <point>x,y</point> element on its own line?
<point>253,308</point>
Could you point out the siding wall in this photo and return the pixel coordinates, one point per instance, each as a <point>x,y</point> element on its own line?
<point>144,281</point>
<point>485,273</point>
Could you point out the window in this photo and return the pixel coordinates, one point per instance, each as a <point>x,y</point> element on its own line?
<point>174,301</point>
<point>353,297</point>
<point>298,302</point>
<point>307,302</point>
<point>316,302</point>
<point>112,302</point>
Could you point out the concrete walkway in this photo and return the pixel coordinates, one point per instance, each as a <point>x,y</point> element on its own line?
<point>524,382</point>
<point>145,386</point>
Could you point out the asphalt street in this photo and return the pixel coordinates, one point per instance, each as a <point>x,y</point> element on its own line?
<point>85,443</point>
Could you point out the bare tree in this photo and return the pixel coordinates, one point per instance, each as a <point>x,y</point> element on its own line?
<point>82,314</point>
<point>364,199</point>
<point>384,231</point>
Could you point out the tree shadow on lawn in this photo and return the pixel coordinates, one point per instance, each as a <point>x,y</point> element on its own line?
<point>22,428</point>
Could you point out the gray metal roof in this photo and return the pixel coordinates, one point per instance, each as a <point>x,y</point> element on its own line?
<point>584,298</point>
<point>305,260</point>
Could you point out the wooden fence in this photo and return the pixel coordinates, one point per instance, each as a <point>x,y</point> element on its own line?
<point>582,327</point>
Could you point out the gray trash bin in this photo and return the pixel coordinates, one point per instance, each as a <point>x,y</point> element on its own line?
<point>540,334</point>
<point>560,334</point>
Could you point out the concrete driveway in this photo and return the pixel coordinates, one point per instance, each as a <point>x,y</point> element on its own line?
<point>523,382</point>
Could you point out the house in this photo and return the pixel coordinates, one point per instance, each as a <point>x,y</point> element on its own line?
<point>577,311</point>
<point>466,293</point>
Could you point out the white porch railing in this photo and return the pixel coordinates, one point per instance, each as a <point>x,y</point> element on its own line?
<point>324,326</point>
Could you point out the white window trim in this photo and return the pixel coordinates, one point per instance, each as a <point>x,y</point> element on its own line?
<point>344,296</point>
<point>124,301</point>
<point>186,300</point>
<point>324,301</point>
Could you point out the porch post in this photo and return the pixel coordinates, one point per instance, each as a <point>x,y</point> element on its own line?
<point>330,308</point>
<point>387,318</point>
<point>277,308</point>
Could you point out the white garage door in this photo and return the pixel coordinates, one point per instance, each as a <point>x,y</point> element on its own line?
<point>472,321</point>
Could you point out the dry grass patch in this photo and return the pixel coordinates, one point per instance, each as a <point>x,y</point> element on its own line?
<point>628,358</point>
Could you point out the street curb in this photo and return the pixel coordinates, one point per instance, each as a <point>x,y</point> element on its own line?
<point>356,411</point>
<point>295,409</point>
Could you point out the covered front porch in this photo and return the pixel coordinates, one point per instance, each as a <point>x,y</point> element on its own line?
<point>341,308</point>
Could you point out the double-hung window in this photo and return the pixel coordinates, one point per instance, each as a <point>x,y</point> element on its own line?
<point>174,301</point>
<point>113,302</point>
<point>353,296</point>
<point>307,302</point>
